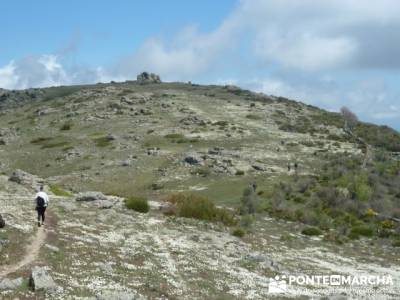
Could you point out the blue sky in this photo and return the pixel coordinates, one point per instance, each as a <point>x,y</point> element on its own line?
<point>327,53</point>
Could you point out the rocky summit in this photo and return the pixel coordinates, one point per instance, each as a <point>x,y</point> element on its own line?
<point>183,191</point>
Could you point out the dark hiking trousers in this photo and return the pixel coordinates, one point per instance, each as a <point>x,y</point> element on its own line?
<point>41,213</point>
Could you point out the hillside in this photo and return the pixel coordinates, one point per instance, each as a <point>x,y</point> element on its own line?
<point>158,140</point>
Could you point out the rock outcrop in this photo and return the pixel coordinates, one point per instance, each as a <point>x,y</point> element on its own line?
<point>41,280</point>
<point>11,284</point>
<point>26,179</point>
<point>90,196</point>
<point>146,77</point>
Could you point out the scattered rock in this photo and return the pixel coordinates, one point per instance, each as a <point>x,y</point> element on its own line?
<point>106,267</point>
<point>153,151</point>
<point>146,77</point>
<point>52,248</point>
<point>68,205</point>
<point>193,159</point>
<point>41,281</point>
<point>116,295</point>
<point>195,238</point>
<point>126,163</point>
<point>192,120</point>
<point>215,151</point>
<point>90,196</point>
<point>103,204</point>
<point>334,297</point>
<point>258,167</point>
<point>10,284</point>
<point>262,259</point>
<point>157,186</point>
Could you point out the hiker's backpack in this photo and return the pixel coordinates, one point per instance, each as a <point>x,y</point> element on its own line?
<point>40,202</point>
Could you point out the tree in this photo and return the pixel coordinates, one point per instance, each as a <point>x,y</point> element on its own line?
<point>350,118</point>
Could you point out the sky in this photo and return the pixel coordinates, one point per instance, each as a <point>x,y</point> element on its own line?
<point>329,53</point>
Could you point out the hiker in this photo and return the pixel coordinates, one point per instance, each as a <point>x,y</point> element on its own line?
<point>42,201</point>
<point>2,222</point>
<point>253,185</point>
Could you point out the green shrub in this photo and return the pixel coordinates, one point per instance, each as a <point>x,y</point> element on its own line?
<point>197,207</point>
<point>361,230</point>
<point>334,237</point>
<point>221,123</point>
<point>202,171</point>
<point>396,243</point>
<point>311,231</point>
<point>201,208</point>
<point>239,173</point>
<point>246,221</point>
<point>361,188</point>
<point>238,232</point>
<point>55,145</point>
<point>174,136</point>
<point>138,204</point>
<point>103,141</point>
<point>66,126</point>
<point>58,191</point>
<point>254,117</point>
<point>41,140</point>
<point>388,224</point>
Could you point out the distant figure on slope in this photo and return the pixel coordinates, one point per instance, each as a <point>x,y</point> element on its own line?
<point>42,201</point>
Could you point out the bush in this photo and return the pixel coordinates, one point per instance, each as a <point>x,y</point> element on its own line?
<point>66,126</point>
<point>238,232</point>
<point>334,237</point>
<point>254,117</point>
<point>361,230</point>
<point>202,171</point>
<point>41,140</point>
<point>138,204</point>
<point>396,243</point>
<point>239,173</point>
<point>59,191</point>
<point>388,224</point>
<point>103,141</point>
<point>174,136</point>
<point>201,208</point>
<point>311,231</point>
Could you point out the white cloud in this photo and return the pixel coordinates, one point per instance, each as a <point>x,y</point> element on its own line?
<point>8,78</point>
<point>45,70</point>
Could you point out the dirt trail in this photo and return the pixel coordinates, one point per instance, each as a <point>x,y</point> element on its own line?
<point>31,253</point>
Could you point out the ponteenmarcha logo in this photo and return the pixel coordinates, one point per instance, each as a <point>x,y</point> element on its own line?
<point>279,284</point>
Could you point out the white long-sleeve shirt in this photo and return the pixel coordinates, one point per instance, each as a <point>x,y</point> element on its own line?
<point>44,196</point>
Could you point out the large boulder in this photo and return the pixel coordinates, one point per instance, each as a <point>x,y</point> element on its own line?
<point>90,196</point>
<point>40,280</point>
<point>11,284</point>
<point>146,77</point>
<point>26,179</point>
<point>194,159</point>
